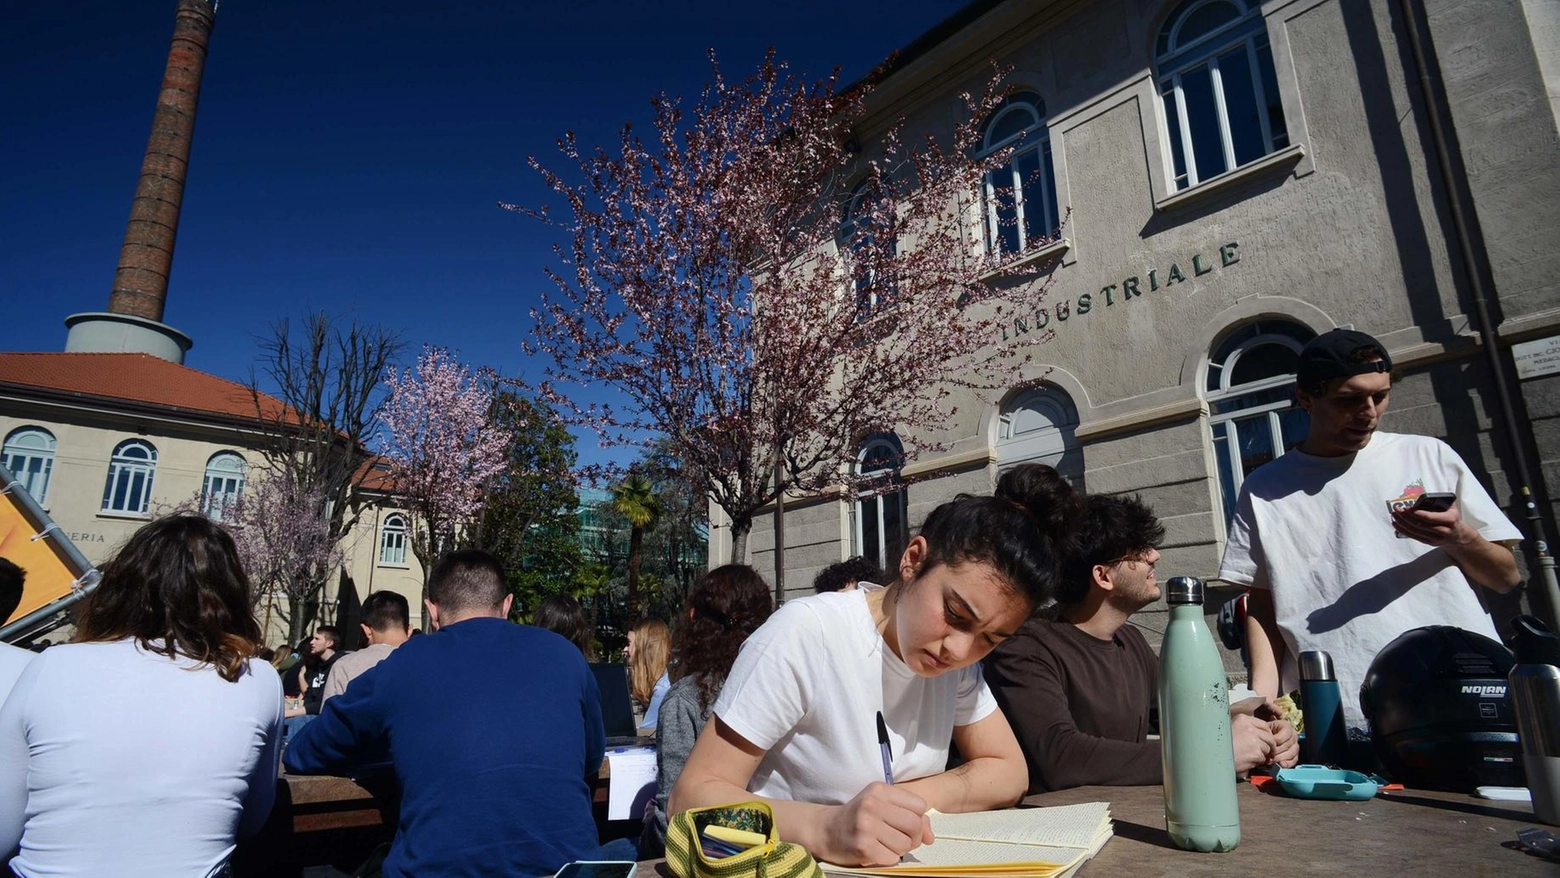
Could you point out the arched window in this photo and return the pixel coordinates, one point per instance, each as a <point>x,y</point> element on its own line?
<point>130,474</point>
<point>1021,195</point>
<point>862,226</point>
<point>1219,91</point>
<point>1037,426</point>
<point>882,527</point>
<point>224,484</point>
<point>29,455</point>
<point>392,540</point>
<point>1251,400</point>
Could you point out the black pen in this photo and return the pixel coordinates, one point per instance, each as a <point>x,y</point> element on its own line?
<point>888,764</point>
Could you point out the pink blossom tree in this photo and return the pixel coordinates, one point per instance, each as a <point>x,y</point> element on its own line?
<point>765,294</point>
<point>281,527</point>
<point>443,447</point>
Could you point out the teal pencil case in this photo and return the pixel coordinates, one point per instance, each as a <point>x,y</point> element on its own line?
<point>1321,782</point>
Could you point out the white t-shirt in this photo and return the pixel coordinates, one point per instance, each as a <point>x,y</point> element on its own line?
<point>13,660</point>
<point>807,688</point>
<point>1317,531</point>
<point>117,761</point>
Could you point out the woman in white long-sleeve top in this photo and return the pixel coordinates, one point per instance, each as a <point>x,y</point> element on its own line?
<point>151,743</point>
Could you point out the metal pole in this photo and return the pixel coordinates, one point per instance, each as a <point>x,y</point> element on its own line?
<point>1441,142</point>
<point>779,530</point>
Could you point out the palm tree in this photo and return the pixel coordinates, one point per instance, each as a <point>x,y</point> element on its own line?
<point>636,500</point>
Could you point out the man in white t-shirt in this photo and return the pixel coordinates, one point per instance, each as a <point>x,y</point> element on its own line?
<point>1330,542</point>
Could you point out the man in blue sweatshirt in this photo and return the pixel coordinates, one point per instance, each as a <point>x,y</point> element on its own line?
<point>492,729</point>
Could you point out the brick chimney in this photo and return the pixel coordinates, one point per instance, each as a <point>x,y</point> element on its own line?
<point>135,308</point>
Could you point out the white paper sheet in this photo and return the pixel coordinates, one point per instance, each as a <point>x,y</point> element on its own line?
<point>632,784</point>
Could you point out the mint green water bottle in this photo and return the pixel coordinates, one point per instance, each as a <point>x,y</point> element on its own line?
<point>1194,722</point>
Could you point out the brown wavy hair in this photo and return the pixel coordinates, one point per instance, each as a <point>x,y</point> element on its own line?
<point>652,650</point>
<point>563,615</point>
<point>178,588</point>
<point>726,606</point>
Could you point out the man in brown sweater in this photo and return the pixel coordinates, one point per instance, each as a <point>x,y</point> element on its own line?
<point>1079,688</point>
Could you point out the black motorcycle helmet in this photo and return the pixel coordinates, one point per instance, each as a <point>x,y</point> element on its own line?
<point>1439,713</point>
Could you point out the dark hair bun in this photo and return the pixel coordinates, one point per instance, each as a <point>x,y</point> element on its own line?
<point>1042,492</point>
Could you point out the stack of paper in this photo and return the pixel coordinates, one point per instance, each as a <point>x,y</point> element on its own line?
<point>633,782</point>
<point>1015,843</point>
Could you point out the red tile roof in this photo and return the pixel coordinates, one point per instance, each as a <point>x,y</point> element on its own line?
<point>138,379</point>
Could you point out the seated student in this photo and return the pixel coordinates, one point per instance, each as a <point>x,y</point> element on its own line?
<point>649,649</point>
<point>1078,689</point>
<point>846,575</point>
<point>386,625</point>
<point>148,746</point>
<point>726,606</point>
<point>491,728</point>
<point>796,723</point>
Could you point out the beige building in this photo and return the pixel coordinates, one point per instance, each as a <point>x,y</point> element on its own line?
<point>1241,177</point>
<point>105,441</point>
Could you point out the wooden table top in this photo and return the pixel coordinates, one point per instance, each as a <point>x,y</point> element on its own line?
<point>1392,836</point>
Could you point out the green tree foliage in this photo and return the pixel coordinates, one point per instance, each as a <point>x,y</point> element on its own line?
<point>673,549</point>
<point>531,521</point>
<point>635,498</point>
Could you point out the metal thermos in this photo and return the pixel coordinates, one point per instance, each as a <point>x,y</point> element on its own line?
<point>1194,721</point>
<point>1326,741</point>
<point>1535,695</point>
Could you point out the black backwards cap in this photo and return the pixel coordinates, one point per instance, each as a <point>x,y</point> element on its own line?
<point>1327,357</point>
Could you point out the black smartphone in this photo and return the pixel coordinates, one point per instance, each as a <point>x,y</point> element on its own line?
<point>1435,502</point>
<point>597,869</point>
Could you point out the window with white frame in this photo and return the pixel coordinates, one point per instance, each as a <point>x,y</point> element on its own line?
<point>392,540</point>
<point>29,455</point>
<point>881,526</point>
<point>1020,202</point>
<point>862,225</point>
<point>1218,89</point>
<point>224,485</point>
<point>1039,425</point>
<point>130,473</point>
<point>1251,401</point>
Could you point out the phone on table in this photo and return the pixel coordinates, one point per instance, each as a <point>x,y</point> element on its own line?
<point>1435,502</point>
<point>597,869</point>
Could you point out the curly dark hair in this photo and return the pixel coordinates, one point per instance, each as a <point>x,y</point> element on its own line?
<point>1114,528</point>
<point>726,606</point>
<point>838,575</point>
<point>178,582</point>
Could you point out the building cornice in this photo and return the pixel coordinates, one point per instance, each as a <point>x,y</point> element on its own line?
<point>149,412</point>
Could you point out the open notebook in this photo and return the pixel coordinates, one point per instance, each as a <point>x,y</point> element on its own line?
<point>1013,843</point>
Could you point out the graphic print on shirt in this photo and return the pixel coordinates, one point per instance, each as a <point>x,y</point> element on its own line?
<point>1406,501</point>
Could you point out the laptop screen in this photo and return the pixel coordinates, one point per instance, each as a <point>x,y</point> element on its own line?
<point>617,709</point>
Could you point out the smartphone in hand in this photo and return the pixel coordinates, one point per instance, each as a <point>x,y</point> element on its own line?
<point>1435,502</point>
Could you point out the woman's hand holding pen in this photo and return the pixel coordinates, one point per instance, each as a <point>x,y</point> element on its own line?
<point>876,828</point>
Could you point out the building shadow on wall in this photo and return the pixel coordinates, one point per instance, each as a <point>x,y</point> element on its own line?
<point>1455,387</point>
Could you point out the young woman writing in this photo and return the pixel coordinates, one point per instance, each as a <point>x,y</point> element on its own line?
<point>796,722</point>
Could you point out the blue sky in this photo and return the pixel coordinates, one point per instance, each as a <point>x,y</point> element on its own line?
<point>349,155</point>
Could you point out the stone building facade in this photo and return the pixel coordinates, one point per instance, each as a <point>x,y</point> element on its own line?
<point>1240,176</point>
